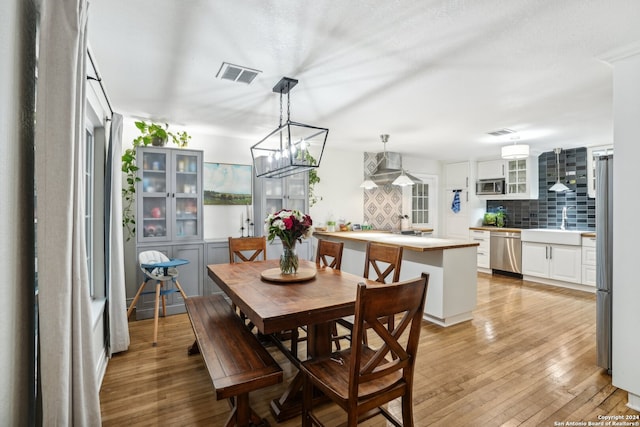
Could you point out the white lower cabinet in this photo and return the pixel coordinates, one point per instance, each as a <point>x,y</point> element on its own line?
<point>589,261</point>
<point>557,262</point>
<point>483,238</point>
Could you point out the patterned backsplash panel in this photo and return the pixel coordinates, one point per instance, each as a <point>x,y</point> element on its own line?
<point>382,205</point>
<point>546,211</point>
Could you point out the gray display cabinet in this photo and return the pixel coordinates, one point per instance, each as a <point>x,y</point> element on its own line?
<point>273,194</point>
<point>217,253</point>
<point>169,195</point>
<point>169,200</point>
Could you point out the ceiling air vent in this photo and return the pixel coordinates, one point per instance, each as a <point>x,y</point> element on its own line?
<point>501,132</point>
<point>237,73</point>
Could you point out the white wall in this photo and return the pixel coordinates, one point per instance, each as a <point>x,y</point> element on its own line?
<point>626,234</point>
<point>421,165</point>
<point>341,173</point>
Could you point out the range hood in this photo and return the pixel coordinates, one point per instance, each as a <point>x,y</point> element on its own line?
<point>389,167</point>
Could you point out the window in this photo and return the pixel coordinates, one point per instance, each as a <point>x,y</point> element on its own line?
<point>89,178</point>
<point>94,160</point>
<point>421,201</point>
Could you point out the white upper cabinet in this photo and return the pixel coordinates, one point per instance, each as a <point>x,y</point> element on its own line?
<point>491,169</point>
<point>457,176</point>
<point>520,175</point>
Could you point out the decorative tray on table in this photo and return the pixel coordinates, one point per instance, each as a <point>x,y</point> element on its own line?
<point>274,275</point>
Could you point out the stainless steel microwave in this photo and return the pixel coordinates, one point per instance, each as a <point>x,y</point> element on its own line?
<point>486,187</point>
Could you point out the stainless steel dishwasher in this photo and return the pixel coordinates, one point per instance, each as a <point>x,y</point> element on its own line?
<point>506,251</point>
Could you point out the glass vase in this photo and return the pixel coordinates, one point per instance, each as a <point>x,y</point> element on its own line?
<point>288,260</point>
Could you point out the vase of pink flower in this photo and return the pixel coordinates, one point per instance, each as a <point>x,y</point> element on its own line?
<point>291,226</point>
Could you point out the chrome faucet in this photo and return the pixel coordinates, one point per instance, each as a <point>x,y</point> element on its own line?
<point>563,226</point>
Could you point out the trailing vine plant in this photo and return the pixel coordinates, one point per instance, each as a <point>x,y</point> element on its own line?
<point>151,134</point>
<point>313,180</point>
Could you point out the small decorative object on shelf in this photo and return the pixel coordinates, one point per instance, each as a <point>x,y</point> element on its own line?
<point>290,226</point>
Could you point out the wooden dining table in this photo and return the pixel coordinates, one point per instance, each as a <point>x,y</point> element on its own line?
<point>274,307</point>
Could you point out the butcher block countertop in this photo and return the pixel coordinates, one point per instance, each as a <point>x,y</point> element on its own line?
<point>408,242</point>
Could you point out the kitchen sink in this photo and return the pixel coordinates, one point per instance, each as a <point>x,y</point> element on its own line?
<point>552,236</point>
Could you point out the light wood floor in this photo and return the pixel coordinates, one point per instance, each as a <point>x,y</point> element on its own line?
<point>526,359</point>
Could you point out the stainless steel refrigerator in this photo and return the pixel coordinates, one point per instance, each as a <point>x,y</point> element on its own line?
<point>604,259</point>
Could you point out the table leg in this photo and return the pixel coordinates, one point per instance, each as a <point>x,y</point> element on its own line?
<point>289,405</point>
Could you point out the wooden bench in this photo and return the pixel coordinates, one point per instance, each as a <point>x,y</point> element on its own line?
<point>236,361</point>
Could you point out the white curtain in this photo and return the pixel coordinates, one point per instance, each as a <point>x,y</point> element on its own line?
<point>116,292</point>
<point>67,374</point>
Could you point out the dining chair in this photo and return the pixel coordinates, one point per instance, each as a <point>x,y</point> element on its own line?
<point>378,257</point>
<point>362,379</point>
<point>246,249</point>
<point>329,254</point>
<point>156,267</point>
<point>383,260</point>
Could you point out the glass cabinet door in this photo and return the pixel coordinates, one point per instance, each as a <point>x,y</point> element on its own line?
<point>296,192</point>
<point>186,196</point>
<point>274,194</point>
<point>153,209</point>
<point>517,176</point>
<point>169,195</point>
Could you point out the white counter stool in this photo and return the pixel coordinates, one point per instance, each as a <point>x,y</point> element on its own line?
<point>158,268</point>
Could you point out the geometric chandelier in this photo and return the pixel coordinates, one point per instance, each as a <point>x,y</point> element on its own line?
<point>292,147</point>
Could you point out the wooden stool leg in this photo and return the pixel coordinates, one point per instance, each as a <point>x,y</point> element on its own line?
<point>135,299</point>
<point>155,319</point>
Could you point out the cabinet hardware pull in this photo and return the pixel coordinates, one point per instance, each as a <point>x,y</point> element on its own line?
<point>546,252</point>
<point>550,252</point>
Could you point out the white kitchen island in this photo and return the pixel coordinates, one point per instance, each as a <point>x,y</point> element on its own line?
<point>451,264</point>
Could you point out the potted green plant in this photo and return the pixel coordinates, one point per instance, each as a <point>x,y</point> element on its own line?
<point>151,134</point>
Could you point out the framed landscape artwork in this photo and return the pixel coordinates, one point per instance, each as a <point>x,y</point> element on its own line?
<point>227,184</point>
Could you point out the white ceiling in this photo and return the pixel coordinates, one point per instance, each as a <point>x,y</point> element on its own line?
<point>436,75</point>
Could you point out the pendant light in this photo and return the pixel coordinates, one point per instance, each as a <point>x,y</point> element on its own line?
<point>292,147</point>
<point>515,151</point>
<point>403,180</point>
<point>368,184</point>
<point>558,187</point>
